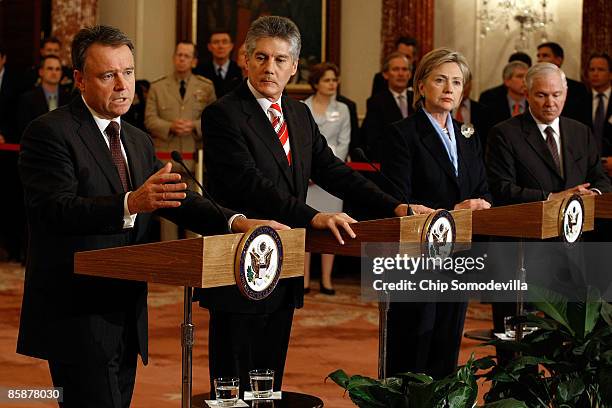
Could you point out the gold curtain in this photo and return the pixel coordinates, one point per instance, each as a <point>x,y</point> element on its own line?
<point>68,17</point>
<point>407,18</point>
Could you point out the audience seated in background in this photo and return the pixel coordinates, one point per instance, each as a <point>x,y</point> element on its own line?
<point>600,75</point>
<point>578,101</point>
<point>225,74</point>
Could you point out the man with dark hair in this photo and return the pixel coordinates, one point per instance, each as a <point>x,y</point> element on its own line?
<point>91,181</point>
<point>389,105</point>
<point>172,114</point>
<point>578,100</point>
<point>49,46</point>
<point>47,96</point>
<point>223,71</point>
<point>492,96</point>
<point>599,73</point>
<point>405,45</point>
<point>261,149</point>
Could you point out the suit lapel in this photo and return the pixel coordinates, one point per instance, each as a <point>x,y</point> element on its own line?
<point>534,138</point>
<point>294,128</point>
<point>432,142</point>
<point>262,128</point>
<point>94,141</point>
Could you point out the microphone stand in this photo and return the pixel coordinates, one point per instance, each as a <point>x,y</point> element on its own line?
<point>187,327</point>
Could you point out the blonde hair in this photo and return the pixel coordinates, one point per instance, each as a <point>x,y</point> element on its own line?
<point>431,61</point>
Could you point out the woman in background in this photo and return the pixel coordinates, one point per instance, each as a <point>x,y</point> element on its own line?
<point>333,120</point>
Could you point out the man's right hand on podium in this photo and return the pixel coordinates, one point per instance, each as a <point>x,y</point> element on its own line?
<point>333,221</point>
<point>243,224</point>
<point>473,204</point>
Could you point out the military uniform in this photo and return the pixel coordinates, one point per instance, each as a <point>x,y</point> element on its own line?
<point>165,105</point>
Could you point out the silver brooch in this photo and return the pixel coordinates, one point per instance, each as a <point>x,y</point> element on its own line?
<point>467,130</point>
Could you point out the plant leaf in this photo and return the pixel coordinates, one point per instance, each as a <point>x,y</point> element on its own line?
<point>339,377</point>
<point>567,391</point>
<point>506,403</point>
<point>606,312</point>
<point>583,316</point>
<point>604,379</point>
<point>552,303</point>
<point>420,377</point>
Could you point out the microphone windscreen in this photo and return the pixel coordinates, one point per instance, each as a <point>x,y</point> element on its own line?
<point>176,156</point>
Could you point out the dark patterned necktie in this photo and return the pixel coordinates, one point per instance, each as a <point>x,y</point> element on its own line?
<point>182,89</point>
<point>598,122</point>
<point>112,130</point>
<point>552,146</point>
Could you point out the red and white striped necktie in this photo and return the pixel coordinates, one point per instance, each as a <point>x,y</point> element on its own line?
<point>280,127</point>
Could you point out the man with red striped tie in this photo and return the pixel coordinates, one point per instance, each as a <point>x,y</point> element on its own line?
<point>261,148</point>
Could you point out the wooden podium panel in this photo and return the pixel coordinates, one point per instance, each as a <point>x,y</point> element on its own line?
<point>204,262</point>
<point>603,206</point>
<point>538,219</point>
<point>393,230</point>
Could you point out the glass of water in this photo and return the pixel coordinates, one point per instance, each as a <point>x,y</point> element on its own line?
<point>262,382</point>
<point>227,390</point>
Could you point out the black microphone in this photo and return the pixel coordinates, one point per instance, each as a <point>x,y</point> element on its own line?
<point>359,155</point>
<point>176,156</point>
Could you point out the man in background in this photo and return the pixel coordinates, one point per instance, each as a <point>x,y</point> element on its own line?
<point>221,69</point>
<point>600,76</point>
<point>578,100</point>
<point>405,45</point>
<point>172,114</point>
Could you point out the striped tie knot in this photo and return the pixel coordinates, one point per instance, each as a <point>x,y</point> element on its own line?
<point>280,127</point>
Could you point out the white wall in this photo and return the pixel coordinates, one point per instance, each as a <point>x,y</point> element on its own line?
<point>360,47</point>
<point>455,26</point>
<point>151,25</point>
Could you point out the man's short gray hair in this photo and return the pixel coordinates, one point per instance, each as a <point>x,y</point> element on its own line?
<point>274,27</point>
<point>543,69</point>
<point>393,56</point>
<point>508,72</point>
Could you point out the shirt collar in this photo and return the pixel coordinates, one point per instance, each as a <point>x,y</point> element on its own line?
<point>262,100</point>
<point>606,93</point>
<point>511,101</point>
<point>223,66</point>
<point>396,94</point>
<point>178,80</point>
<point>100,122</point>
<point>541,126</point>
<point>2,73</point>
<point>48,94</point>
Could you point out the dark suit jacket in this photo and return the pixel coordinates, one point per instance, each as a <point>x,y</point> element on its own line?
<point>33,104</point>
<point>480,120</point>
<point>352,106</point>
<point>495,101</point>
<point>606,142</point>
<point>247,169</point>
<point>74,202</point>
<point>9,93</point>
<point>232,79</point>
<point>415,159</point>
<point>577,103</point>
<point>521,168</point>
<point>381,111</point>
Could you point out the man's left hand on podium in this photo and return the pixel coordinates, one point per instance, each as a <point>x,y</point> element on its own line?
<point>332,221</point>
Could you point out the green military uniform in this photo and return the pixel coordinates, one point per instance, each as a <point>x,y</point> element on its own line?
<point>165,105</point>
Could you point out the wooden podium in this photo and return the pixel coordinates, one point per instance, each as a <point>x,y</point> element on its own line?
<point>536,220</point>
<point>603,206</point>
<point>204,262</point>
<point>406,232</point>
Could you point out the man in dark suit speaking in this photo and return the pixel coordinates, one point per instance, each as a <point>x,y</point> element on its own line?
<point>261,148</point>
<point>91,181</point>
